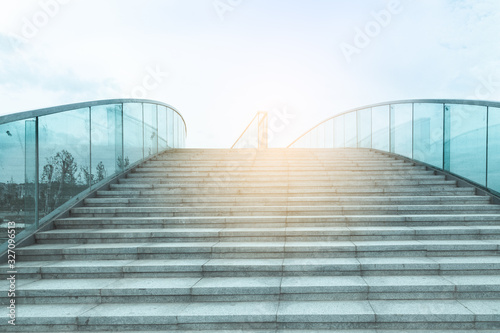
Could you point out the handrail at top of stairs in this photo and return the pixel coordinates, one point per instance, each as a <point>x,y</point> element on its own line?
<point>247,139</point>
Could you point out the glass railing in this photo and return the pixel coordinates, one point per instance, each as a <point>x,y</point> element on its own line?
<point>255,135</point>
<point>51,158</point>
<point>458,136</point>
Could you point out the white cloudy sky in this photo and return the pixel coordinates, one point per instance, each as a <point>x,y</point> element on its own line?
<point>219,68</point>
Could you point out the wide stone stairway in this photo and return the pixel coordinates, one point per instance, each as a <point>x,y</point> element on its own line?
<point>275,240</point>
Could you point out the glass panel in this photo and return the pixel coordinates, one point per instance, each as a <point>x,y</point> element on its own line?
<point>255,130</point>
<point>364,119</point>
<point>351,140</point>
<point>329,134</point>
<point>106,142</point>
<point>467,142</point>
<point>184,134</point>
<point>162,127</point>
<point>30,173</point>
<point>494,149</point>
<point>170,128</point>
<point>338,132</point>
<point>308,140</point>
<point>178,132</point>
<point>15,174</point>
<point>132,133</point>
<point>249,138</point>
<point>428,133</point>
<point>64,150</point>
<point>402,129</point>
<point>380,127</point>
<point>320,136</point>
<point>150,130</point>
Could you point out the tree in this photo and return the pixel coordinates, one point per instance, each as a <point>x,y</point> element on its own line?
<point>88,177</point>
<point>47,177</point>
<point>101,171</point>
<point>60,170</point>
<point>122,164</point>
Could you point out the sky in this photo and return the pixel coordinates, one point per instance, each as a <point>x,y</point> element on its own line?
<point>221,61</point>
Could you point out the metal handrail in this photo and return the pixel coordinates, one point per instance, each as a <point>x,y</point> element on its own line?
<point>68,107</point>
<point>262,136</point>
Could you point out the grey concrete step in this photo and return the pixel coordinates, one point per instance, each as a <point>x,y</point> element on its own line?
<point>189,177</point>
<point>360,191</point>
<point>197,268</point>
<point>162,190</point>
<point>242,289</point>
<point>372,314</point>
<point>280,201</point>
<point>276,164</point>
<point>291,168</point>
<point>279,221</point>
<point>175,211</point>
<point>260,250</point>
<point>307,331</point>
<point>169,183</point>
<point>139,172</point>
<point>289,234</point>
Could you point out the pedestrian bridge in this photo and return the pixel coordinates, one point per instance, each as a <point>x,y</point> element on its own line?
<point>382,218</point>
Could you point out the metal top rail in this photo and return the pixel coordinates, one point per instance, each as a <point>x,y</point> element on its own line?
<point>407,101</point>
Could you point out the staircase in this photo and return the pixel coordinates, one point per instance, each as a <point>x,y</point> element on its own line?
<point>276,240</point>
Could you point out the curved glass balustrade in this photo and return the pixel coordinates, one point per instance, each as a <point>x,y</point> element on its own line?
<point>458,136</point>
<point>51,157</point>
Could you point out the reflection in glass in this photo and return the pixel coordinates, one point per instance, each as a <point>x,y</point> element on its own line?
<point>162,127</point>
<point>170,128</point>
<point>30,173</point>
<point>320,137</point>
<point>351,140</point>
<point>494,149</point>
<point>64,150</point>
<point>150,130</point>
<point>364,126</point>
<point>402,129</point>
<point>328,128</point>
<point>14,174</point>
<point>133,145</point>
<point>428,133</point>
<point>338,132</point>
<point>380,127</point>
<point>467,141</point>
<point>107,155</point>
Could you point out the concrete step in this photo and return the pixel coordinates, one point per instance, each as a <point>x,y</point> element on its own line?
<point>290,234</point>
<point>282,169</point>
<point>165,191</point>
<point>189,177</point>
<point>332,315</point>
<point>262,289</point>
<point>283,201</point>
<point>201,211</point>
<point>158,172</point>
<point>279,221</point>
<point>169,183</point>
<point>305,331</point>
<point>433,192</point>
<point>276,165</point>
<point>197,268</point>
<point>259,250</point>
